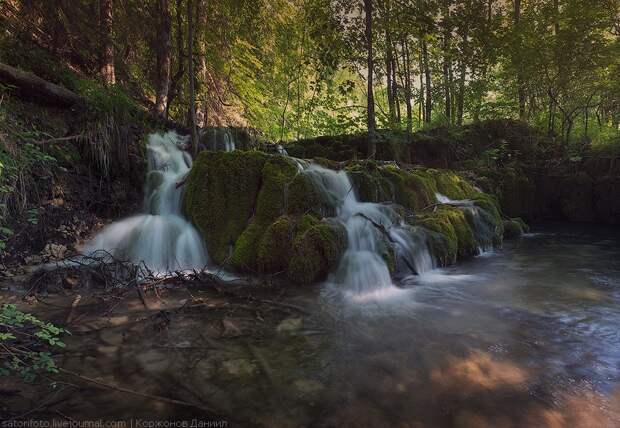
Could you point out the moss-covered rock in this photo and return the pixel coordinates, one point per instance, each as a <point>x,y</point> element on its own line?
<point>277,173</point>
<point>220,197</point>
<point>276,245</point>
<point>316,251</point>
<point>453,224</point>
<point>514,228</point>
<point>257,213</point>
<point>304,247</point>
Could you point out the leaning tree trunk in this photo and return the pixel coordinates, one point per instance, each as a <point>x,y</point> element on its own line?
<point>163,56</point>
<point>33,86</point>
<point>107,46</point>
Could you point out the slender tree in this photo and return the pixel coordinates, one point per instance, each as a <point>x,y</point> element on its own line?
<point>107,45</point>
<point>163,51</point>
<point>520,84</point>
<point>370,64</point>
<point>191,77</point>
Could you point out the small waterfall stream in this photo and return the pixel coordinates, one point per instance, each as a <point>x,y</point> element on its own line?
<point>373,229</point>
<point>483,231</point>
<point>160,238</point>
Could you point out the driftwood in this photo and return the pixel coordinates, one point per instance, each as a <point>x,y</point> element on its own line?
<point>35,87</point>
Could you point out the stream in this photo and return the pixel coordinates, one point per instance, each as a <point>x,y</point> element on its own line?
<point>523,336</point>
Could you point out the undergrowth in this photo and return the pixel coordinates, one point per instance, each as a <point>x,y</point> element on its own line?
<point>26,343</point>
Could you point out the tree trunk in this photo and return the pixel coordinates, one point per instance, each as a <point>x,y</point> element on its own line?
<point>395,72</point>
<point>107,46</point>
<point>370,109</point>
<point>34,87</point>
<point>421,102</point>
<point>202,86</point>
<point>190,70</point>
<point>520,85</point>
<point>173,90</point>
<point>407,72</point>
<point>389,64</point>
<point>447,62</point>
<point>163,56</point>
<point>427,78</point>
<point>462,75</point>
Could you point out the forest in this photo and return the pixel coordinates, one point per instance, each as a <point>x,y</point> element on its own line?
<point>290,213</point>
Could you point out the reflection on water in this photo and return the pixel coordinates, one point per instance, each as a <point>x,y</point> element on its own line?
<point>524,337</point>
<point>527,336</point>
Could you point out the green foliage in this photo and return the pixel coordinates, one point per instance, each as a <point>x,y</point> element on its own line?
<point>297,69</point>
<point>104,100</point>
<point>25,344</point>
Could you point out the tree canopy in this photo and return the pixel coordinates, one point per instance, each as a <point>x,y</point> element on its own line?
<point>301,68</point>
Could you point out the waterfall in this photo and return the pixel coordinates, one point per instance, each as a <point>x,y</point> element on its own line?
<point>160,238</point>
<point>223,139</point>
<point>373,231</point>
<point>483,229</point>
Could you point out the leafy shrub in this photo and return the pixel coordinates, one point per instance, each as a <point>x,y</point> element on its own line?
<point>25,342</point>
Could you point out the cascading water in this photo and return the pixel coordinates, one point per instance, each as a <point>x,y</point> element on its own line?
<point>481,226</point>
<point>161,239</point>
<point>372,229</point>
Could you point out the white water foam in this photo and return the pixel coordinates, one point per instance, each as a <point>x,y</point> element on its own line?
<point>363,274</point>
<point>161,238</point>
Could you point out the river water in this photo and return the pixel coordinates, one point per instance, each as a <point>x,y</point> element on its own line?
<point>525,336</point>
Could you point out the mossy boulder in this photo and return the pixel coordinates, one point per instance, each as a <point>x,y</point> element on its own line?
<point>304,247</point>
<point>258,214</point>
<point>230,194</point>
<point>316,251</point>
<point>413,188</point>
<point>514,228</point>
<point>453,224</point>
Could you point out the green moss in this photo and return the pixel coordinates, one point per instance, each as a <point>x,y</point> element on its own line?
<point>316,251</point>
<point>370,185</point>
<point>512,229</point>
<point>276,245</point>
<point>258,212</point>
<point>304,198</point>
<point>276,175</point>
<point>220,197</point>
<point>455,227</point>
<point>452,185</point>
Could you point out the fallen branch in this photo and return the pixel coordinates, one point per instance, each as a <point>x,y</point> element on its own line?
<point>34,86</point>
<point>58,140</point>
<point>136,393</point>
<point>181,183</point>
